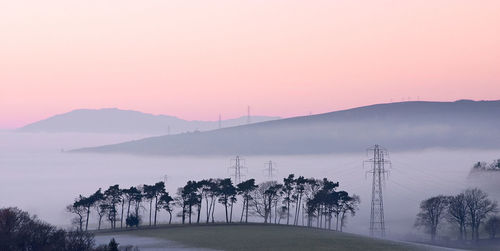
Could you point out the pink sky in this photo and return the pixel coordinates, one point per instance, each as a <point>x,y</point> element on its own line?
<point>196,59</point>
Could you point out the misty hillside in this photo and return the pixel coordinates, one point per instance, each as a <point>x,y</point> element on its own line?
<point>397,126</point>
<point>112,120</point>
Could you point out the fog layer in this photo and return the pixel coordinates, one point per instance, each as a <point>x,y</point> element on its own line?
<point>38,177</point>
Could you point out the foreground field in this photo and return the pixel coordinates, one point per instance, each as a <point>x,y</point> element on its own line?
<point>265,237</point>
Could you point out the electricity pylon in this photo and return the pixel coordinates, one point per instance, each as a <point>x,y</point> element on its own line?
<point>237,164</point>
<point>270,169</point>
<point>378,163</point>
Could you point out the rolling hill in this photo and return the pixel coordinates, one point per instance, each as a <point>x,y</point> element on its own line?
<point>112,120</point>
<point>253,237</point>
<point>397,126</point>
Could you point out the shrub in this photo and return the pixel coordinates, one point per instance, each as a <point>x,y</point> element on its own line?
<point>133,220</point>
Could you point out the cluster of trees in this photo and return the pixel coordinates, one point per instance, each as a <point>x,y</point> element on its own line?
<point>296,200</point>
<point>21,231</point>
<point>466,211</point>
<point>111,205</point>
<point>483,166</point>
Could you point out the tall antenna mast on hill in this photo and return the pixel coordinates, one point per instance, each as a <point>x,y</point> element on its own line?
<point>237,165</point>
<point>248,115</point>
<point>378,162</point>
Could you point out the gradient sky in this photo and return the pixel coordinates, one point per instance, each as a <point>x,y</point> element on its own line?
<point>196,59</point>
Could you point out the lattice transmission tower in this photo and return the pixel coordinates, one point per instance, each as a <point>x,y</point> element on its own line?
<point>378,163</point>
<point>237,164</point>
<point>270,169</point>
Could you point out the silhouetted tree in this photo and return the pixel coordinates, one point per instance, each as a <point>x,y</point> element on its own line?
<point>312,186</point>
<point>198,198</point>
<point>78,241</point>
<point>479,207</point>
<point>89,202</point>
<point>288,186</point>
<point>205,191</point>
<point>130,195</point>
<point>159,190</point>
<point>113,245</point>
<point>323,201</point>
<point>100,206</point>
<point>492,226</point>
<point>20,231</point>
<point>245,189</point>
<point>300,184</point>
<point>457,214</point>
<point>138,198</point>
<point>264,197</point>
<point>133,220</point>
<point>149,193</point>
<point>227,191</point>
<point>113,196</point>
<point>187,197</point>
<point>214,195</point>
<point>79,209</point>
<point>349,206</point>
<point>165,202</point>
<point>431,212</point>
<point>260,201</point>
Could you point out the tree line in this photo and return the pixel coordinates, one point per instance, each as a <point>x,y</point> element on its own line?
<point>297,201</point>
<point>466,211</point>
<point>21,231</point>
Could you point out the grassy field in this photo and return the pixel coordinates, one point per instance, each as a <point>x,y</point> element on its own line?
<point>267,237</point>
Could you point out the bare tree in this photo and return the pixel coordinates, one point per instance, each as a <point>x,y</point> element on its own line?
<point>431,212</point>
<point>479,208</point>
<point>79,210</point>
<point>261,204</point>
<point>492,226</point>
<point>457,214</point>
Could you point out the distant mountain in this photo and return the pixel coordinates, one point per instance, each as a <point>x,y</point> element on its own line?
<point>112,120</point>
<point>397,126</point>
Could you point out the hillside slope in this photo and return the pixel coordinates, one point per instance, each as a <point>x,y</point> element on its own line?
<point>112,120</point>
<point>260,237</point>
<point>397,126</point>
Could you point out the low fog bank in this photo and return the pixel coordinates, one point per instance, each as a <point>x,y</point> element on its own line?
<point>38,177</point>
<point>404,126</point>
<point>280,138</point>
